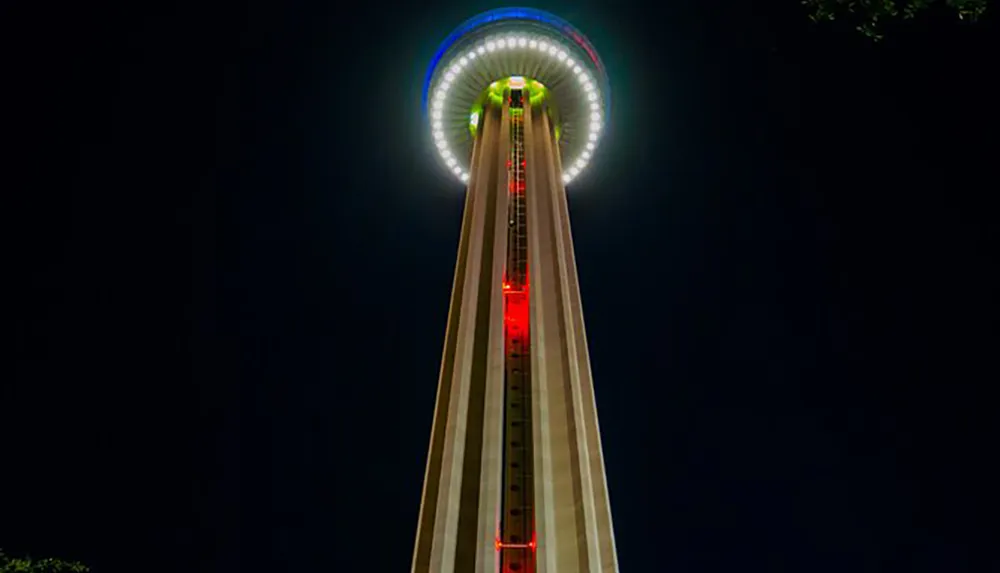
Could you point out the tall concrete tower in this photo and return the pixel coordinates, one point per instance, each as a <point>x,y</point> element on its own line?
<point>515,474</point>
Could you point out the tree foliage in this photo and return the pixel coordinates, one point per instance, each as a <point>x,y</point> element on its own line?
<point>870,15</point>
<point>29,565</point>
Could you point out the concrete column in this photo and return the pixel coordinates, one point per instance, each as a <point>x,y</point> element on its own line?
<point>438,527</point>
<point>545,519</point>
<point>604,556</point>
<point>490,497</point>
<point>573,521</point>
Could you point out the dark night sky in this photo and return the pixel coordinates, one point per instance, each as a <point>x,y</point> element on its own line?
<point>231,254</point>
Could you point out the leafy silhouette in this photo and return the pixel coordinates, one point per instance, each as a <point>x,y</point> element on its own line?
<point>28,565</point>
<point>870,15</point>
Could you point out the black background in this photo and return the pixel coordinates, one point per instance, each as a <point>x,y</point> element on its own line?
<point>231,252</point>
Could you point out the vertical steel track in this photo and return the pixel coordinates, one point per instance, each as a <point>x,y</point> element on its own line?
<point>516,540</point>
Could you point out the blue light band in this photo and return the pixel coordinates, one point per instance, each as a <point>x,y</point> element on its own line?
<point>501,14</point>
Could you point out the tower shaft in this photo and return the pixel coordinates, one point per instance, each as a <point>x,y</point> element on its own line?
<point>515,475</point>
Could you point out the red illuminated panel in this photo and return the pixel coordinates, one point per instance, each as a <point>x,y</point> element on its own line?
<point>515,314</point>
<point>500,545</point>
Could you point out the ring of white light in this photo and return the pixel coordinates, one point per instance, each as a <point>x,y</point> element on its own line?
<point>448,75</point>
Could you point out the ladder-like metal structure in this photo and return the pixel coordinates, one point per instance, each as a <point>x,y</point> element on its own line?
<point>516,540</point>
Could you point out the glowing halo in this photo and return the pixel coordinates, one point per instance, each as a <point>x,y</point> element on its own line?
<point>515,42</point>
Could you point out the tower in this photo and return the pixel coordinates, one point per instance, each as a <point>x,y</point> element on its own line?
<point>515,477</point>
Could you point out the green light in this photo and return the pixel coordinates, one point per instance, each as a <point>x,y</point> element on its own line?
<point>537,92</point>
<point>494,95</point>
<point>474,114</point>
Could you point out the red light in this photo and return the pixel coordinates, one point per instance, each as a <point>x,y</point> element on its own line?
<point>586,46</point>
<point>502,545</point>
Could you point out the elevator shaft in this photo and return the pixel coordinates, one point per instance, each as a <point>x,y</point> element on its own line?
<point>516,541</point>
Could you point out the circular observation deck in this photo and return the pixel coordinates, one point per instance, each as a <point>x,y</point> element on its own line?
<point>506,43</point>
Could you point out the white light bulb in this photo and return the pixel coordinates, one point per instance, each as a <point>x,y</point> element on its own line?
<point>481,49</point>
<point>593,137</point>
<point>561,55</point>
<point>594,116</point>
<point>464,176</point>
<point>438,135</point>
<point>436,125</point>
<point>577,69</point>
<point>502,43</point>
<point>491,46</point>
<point>566,178</point>
<point>463,60</point>
<point>455,69</point>
<point>553,50</point>
<point>450,161</point>
<point>533,44</point>
<point>449,76</point>
<point>511,41</point>
<point>595,106</point>
<point>591,145</point>
<point>441,144</point>
<point>543,46</point>
<point>580,164</point>
<point>471,55</point>
<point>436,114</point>
<point>592,96</point>
<point>522,42</point>
<point>438,104</point>
<point>585,155</point>
<point>595,126</point>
